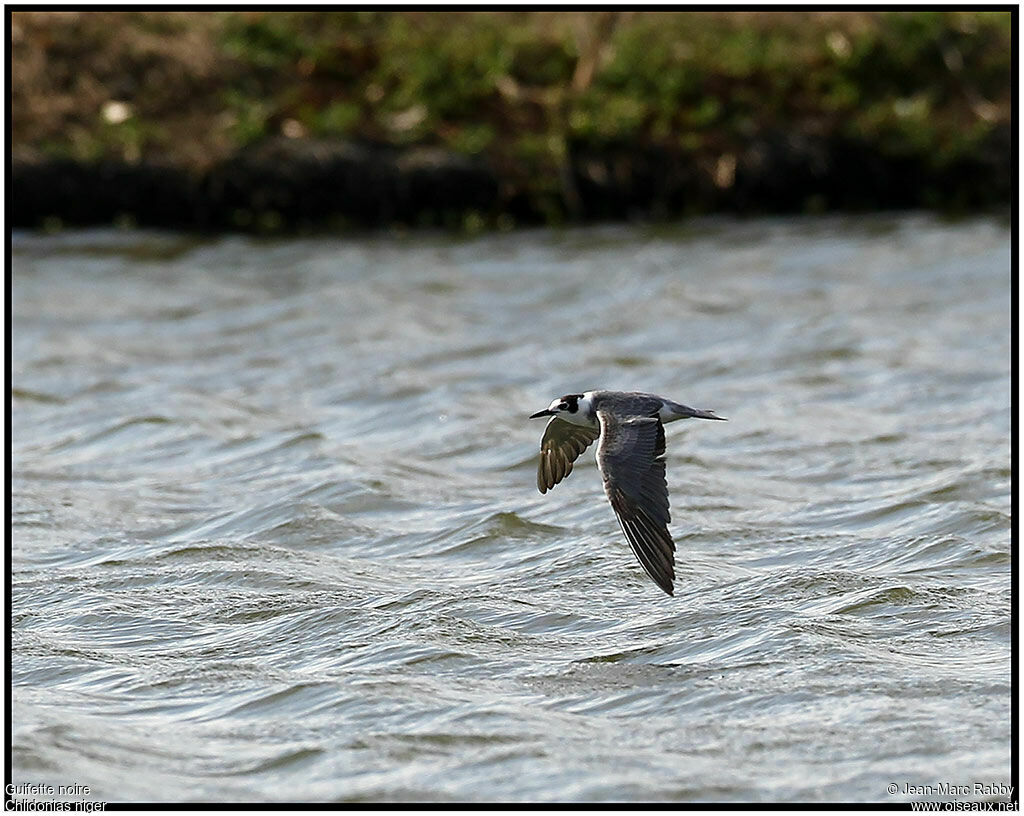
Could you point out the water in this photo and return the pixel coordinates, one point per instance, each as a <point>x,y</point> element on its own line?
<point>276,534</point>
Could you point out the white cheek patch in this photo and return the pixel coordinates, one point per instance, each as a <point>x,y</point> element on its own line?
<point>581,416</point>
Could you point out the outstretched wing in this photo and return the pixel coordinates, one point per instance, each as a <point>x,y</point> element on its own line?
<point>560,446</point>
<point>631,458</point>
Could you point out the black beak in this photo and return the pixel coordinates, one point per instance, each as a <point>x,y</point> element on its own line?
<point>543,413</point>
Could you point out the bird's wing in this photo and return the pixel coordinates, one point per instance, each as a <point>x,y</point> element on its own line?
<point>631,458</point>
<point>560,446</point>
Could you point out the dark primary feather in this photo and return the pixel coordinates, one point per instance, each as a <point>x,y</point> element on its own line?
<point>631,458</point>
<point>560,446</point>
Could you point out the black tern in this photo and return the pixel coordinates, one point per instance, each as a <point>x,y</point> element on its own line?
<point>631,457</point>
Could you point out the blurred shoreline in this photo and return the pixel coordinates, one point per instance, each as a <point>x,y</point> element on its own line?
<point>281,121</point>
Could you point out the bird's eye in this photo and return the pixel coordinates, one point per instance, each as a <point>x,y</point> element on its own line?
<point>563,406</point>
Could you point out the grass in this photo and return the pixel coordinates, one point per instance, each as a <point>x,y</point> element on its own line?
<point>523,91</point>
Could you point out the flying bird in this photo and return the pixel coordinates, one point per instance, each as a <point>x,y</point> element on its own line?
<point>631,457</point>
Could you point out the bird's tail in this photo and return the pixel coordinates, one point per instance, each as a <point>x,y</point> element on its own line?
<point>686,412</point>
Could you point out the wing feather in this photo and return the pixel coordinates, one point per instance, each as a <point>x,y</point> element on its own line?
<point>560,446</point>
<point>631,458</point>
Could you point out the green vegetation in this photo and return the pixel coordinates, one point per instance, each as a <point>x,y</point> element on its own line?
<point>531,92</point>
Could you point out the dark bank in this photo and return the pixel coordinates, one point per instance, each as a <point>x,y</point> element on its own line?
<point>294,121</point>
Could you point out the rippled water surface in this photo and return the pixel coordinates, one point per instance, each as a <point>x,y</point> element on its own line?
<point>276,534</point>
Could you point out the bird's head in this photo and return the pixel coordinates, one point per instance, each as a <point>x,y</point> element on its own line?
<point>573,408</point>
